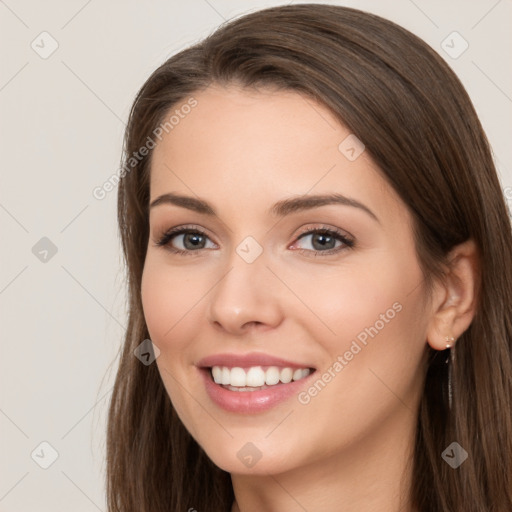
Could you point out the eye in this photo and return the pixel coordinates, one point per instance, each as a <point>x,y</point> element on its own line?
<point>323,240</point>
<point>185,240</point>
<point>188,241</point>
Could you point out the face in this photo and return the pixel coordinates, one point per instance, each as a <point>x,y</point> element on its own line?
<point>259,276</point>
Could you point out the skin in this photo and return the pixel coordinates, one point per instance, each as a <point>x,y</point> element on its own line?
<point>242,151</point>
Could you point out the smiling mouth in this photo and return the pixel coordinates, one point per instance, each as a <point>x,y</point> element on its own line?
<point>255,378</point>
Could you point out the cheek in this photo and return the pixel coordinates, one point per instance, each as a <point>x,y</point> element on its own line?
<point>365,294</point>
<point>378,321</point>
<point>169,301</point>
<point>157,302</point>
<point>168,298</point>
<point>369,320</point>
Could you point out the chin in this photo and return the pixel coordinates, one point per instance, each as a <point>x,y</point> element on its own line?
<point>249,459</point>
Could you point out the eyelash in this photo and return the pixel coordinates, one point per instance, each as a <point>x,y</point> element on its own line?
<point>347,242</point>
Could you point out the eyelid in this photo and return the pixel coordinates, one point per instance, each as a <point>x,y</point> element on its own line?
<point>324,227</point>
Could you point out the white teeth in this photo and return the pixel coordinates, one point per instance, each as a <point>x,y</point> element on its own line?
<point>286,375</point>
<point>235,388</point>
<point>255,377</point>
<point>238,377</point>
<point>226,376</point>
<point>217,374</point>
<point>272,376</point>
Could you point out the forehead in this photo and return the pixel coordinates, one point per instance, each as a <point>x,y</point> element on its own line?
<point>240,144</point>
<point>248,127</point>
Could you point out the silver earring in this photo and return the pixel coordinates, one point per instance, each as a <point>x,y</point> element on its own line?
<point>450,361</point>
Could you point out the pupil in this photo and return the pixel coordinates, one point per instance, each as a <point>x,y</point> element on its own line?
<point>324,240</point>
<point>194,239</point>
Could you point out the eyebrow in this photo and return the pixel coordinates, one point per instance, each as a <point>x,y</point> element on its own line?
<point>281,208</point>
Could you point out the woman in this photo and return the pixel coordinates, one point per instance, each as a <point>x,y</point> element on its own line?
<point>319,251</point>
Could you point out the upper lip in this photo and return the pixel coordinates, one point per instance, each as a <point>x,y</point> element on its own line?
<point>246,360</point>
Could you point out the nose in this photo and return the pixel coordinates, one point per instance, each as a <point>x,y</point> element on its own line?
<point>247,297</point>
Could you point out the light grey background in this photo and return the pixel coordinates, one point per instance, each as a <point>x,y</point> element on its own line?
<point>62,120</point>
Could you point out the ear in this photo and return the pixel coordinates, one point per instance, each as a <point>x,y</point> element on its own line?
<point>455,299</point>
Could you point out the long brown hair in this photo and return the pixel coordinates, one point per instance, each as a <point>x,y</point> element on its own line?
<point>419,126</point>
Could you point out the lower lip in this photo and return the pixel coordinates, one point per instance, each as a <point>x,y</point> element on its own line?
<point>250,401</point>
